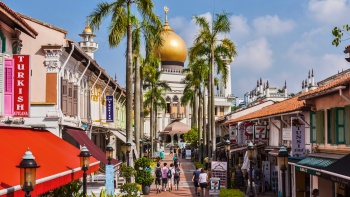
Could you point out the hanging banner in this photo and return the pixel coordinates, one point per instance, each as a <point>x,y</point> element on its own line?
<point>21,85</point>
<point>233,133</point>
<point>109,109</point>
<point>249,128</point>
<point>298,140</point>
<point>241,136</point>
<point>260,133</point>
<point>109,180</point>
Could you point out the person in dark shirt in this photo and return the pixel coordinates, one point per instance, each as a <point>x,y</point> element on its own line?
<point>195,179</point>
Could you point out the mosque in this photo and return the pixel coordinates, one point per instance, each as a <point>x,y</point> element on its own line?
<point>175,119</point>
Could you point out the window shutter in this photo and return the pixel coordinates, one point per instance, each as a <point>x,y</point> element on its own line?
<point>331,126</point>
<point>64,96</point>
<point>312,127</point>
<point>340,125</point>
<point>347,124</point>
<point>320,127</point>
<point>70,99</point>
<point>8,87</point>
<point>75,100</point>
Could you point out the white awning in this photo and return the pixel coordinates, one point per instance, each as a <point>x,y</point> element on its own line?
<point>119,135</point>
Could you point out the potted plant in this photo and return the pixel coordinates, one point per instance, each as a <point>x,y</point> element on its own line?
<point>143,174</point>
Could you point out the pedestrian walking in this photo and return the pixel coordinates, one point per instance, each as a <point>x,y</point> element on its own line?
<point>203,180</point>
<point>175,160</point>
<point>315,193</point>
<point>170,176</point>
<point>164,176</point>
<point>178,152</point>
<point>258,178</point>
<point>177,173</point>
<point>171,150</point>
<point>195,179</point>
<point>183,152</point>
<point>158,173</point>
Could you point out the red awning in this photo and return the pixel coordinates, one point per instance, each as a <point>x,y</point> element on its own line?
<point>81,137</point>
<point>58,159</point>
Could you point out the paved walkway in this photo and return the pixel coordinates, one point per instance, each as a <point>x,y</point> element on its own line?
<point>186,187</point>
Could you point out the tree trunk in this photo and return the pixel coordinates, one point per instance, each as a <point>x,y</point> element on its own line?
<point>151,129</point>
<point>205,137</point>
<point>200,114</point>
<point>212,104</point>
<point>195,109</point>
<point>209,112</point>
<point>142,115</point>
<point>156,125</point>
<point>137,105</point>
<point>129,100</point>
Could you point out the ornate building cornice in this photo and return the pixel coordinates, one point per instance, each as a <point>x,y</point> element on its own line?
<point>52,57</point>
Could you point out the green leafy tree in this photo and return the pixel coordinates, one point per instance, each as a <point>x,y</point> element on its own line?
<point>215,51</point>
<point>130,189</point>
<point>191,136</point>
<point>119,11</point>
<point>154,97</point>
<point>338,33</point>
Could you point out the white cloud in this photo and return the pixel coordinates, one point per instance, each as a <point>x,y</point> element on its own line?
<point>329,11</point>
<point>239,25</point>
<point>256,55</point>
<point>272,25</point>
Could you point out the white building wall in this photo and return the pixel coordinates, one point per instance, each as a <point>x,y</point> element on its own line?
<point>274,134</point>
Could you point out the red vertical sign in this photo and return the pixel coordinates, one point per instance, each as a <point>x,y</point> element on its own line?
<point>21,85</point>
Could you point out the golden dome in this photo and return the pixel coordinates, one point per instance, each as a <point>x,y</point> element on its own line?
<point>87,29</point>
<point>174,48</point>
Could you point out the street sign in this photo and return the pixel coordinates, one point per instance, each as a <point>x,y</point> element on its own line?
<point>109,179</point>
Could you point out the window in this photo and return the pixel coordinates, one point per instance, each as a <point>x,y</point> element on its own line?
<point>312,127</point>
<point>336,125</point>
<point>320,127</point>
<point>347,125</point>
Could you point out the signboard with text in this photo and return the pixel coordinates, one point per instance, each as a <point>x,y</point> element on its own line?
<point>286,133</point>
<point>233,133</point>
<point>298,140</point>
<point>241,135</point>
<point>21,85</point>
<point>188,154</point>
<point>214,186</point>
<point>109,109</point>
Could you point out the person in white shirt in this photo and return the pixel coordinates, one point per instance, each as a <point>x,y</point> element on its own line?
<point>203,179</point>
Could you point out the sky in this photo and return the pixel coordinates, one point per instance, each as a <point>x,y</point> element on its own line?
<point>276,40</point>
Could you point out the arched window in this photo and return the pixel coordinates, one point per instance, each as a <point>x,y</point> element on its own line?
<point>167,99</point>
<point>175,99</point>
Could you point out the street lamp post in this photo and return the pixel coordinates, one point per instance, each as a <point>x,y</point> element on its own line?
<point>282,164</point>
<point>128,149</point>
<point>109,153</point>
<point>202,150</point>
<point>228,146</point>
<point>251,157</point>
<point>28,168</point>
<point>84,164</point>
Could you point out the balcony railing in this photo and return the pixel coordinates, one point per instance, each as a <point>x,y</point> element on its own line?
<point>174,116</point>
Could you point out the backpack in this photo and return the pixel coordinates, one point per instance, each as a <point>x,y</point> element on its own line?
<point>158,173</point>
<point>257,174</point>
<point>169,175</point>
<point>177,173</point>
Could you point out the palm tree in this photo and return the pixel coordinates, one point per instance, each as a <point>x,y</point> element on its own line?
<point>207,45</point>
<point>121,26</point>
<point>154,97</point>
<point>151,36</point>
<point>196,72</point>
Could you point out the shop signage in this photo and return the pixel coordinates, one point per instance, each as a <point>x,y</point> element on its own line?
<point>339,180</point>
<point>188,154</point>
<point>219,166</point>
<point>308,171</point>
<point>249,128</point>
<point>287,134</point>
<point>21,85</point>
<point>298,140</point>
<point>214,186</point>
<point>260,131</point>
<point>233,132</point>
<point>109,109</point>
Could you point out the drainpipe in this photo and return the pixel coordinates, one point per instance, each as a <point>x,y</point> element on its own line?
<point>109,79</point>
<point>78,83</point>
<point>59,85</point>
